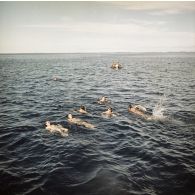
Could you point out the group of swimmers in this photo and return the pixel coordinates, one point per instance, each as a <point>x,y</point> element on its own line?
<point>136,109</point>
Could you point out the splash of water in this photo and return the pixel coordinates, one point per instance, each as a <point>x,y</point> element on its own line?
<point>158,111</point>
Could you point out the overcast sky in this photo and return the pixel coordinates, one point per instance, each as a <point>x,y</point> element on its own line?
<point>38,27</point>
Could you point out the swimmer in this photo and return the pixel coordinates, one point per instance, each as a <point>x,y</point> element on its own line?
<point>103,100</point>
<point>79,122</point>
<point>139,110</point>
<point>109,113</point>
<point>82,110</point>
<point>116,66</point>
<point>55,78</point>
<point>56,129</point>
<point>72,120</point>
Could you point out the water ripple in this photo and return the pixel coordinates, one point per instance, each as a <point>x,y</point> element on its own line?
<point>123,155</point>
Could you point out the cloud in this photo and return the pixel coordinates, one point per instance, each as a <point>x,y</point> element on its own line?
<point>95,37</point>
<point>168,6</point>
<point>135,33</point>
<point>98,28</point>
<point>157,8</point>
<point>165,12</point>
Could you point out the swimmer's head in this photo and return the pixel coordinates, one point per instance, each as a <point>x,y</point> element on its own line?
<point>83,107</point>
<point>47,123</point>
<point>69,116</point>
<point>104,98</point>
<point>110,109</point>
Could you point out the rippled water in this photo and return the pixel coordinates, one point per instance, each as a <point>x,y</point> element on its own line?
<point>123,155</point>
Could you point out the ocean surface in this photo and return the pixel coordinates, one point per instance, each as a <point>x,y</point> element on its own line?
<point>125,154</point>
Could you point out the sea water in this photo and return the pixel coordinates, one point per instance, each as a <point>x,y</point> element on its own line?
<point>125,154</point>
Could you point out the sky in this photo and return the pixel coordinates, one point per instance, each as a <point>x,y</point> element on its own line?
<point>91,26</point>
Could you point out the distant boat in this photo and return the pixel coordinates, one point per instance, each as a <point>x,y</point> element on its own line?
<point>116,65</point>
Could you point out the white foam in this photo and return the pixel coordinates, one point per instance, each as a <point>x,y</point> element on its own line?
<point>158,111</point>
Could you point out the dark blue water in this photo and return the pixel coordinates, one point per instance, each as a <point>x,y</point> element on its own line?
<point>123,155</point>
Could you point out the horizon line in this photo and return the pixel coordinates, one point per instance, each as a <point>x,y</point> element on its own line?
<point>7,53</point>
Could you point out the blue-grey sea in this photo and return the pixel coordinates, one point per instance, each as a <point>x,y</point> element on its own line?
<point>124,154</point>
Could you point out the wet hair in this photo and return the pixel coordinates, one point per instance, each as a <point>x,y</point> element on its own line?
<point>130,106</point>
<point>110,109</point>
<point>83,107</point>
